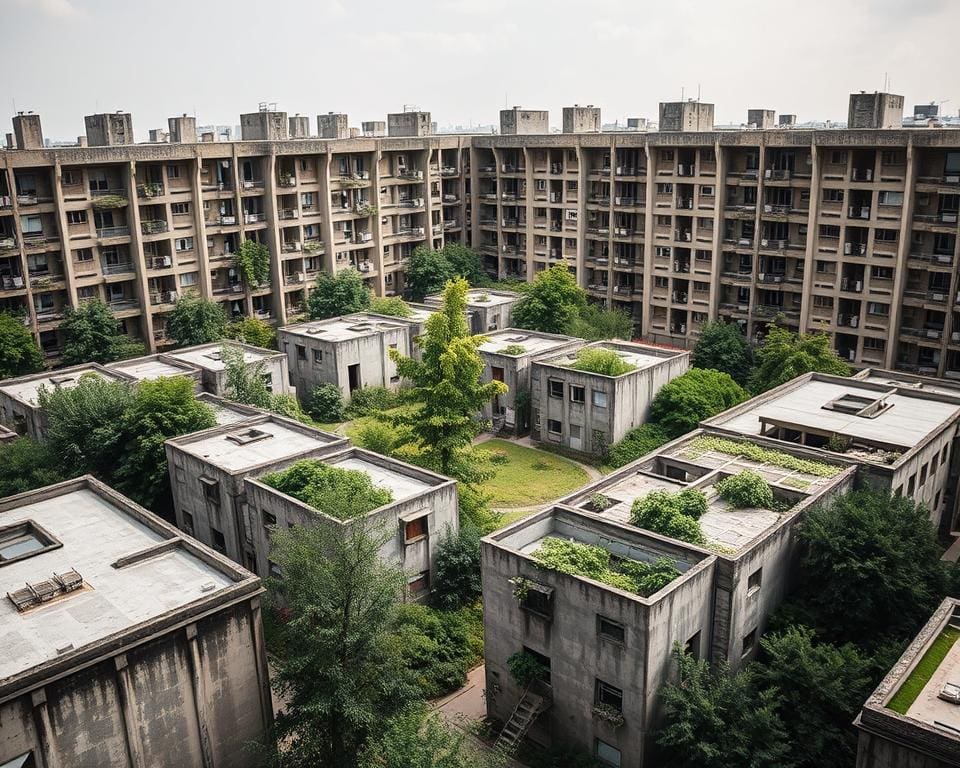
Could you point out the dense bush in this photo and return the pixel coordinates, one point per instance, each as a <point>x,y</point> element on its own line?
<point>381,437</point>
<point>525,668</point>
<point>746,489</point>
<point>26,464</point>
<point>512,349</point>
<point>252,330</point>
<point>605,362</point>
<point>671,514</point>
<point>458,567</point>
<point>684,402</point>
<point>390,305</point>
<point>326,403</point>
<point>636,443</point>
<point>722,347</point>
<point>340,493</point>
<point>367,400</point>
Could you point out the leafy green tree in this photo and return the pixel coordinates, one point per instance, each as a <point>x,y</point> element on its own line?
<point>91,333</point>
<point>19,353</point>
<point>338,294</point>
<point>344,494</point>
<point>342,675</point>
<point>252,259</point>
<point>458,567</point>
<point>672,514</point>
<point>714,719</point>
<point>326,403</point>
<point>552,303</point>
<point>427,272</point>
<point>687,400</point>
<point>195,320</point>
<point>722,347</point>
<point>245,384</point>
<point>390,305</point>
<point>596,323</point>
<point>252,330</point>
<point>26,464</point>
<point>161,409</point>
<point>466,263</point>
<point>821,688</point>
<point>784,355</point>
<point>447,381</point>
<point>84,425</point>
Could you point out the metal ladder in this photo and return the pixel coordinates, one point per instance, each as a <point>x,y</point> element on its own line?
<point>526,711</point>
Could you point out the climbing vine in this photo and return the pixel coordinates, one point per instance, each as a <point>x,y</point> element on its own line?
<point>253,261</point>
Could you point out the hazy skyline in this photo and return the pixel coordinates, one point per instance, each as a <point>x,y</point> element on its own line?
<point>463,60</point>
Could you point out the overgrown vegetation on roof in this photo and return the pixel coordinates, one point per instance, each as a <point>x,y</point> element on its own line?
<point>605,362</point>
<point>340,493</point>
<point>512,350</point>
<point>672,514</point>
<point>700,445</point>
<point>921,674</point>
<point>746,489</point>
<point>578,559</point>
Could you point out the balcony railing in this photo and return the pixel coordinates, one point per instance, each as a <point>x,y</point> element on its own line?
<point>253,218</point>
<point>153,227</point>
<point>150,189</point>
<point>117,269</point>
<point>107,232</point>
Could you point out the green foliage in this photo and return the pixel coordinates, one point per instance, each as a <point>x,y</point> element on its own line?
<point>785,355</point>
<point>19,353</point>
<point>252,260</point>
<point>525,668</point>
<point>252,330</point>
<point>579,559</point>
<point>552,303</point>
<point>636,443</point>
<point>671,514</point>
<point>429,271</point>
<point>370,400</point>
<point>338,294</point>
<point>458,567</point>
<point>714,719</point>
<point>340,493</point>
<point>746,489</point>
<point>465,263</point>
<point>342,676</point>
<point>91,333</point>
<point>26,464</point>
<point>759,454</point>
<point>326,403</point>
<point>246,384</point>
<point>687,400</point>
<point>595,323</point>
<point>390,305</point>
<point>195,320</point>
<point>605,362</point>
<point>513,350</point>
<point>911,688</point>
<point>382,437</point>
<point>110,202</point>
<point>722,347</point>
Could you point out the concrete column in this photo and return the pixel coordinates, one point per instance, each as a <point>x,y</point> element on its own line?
<point>529,232</point>
<point>330,259</point>
<point>903,251</point>
<point>273,236</point>
<point>200,226</point>
<point>137,258</point>
<point>128,709</point>
<point>50,758</point>
<point>716,258</point>
<point>198,685</point>
<point>377,228</point>
<point>757,231</point>
<point>18,232</point>
<point>581,224</point>
<point>263,670</point>
<point>474,202</point>
<point>66,254</point>
<point>813,237</point>
<point>648,243</point>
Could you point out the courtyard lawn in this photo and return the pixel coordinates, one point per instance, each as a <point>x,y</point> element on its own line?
<point>529,476</point>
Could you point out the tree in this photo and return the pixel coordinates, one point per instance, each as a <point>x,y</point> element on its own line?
<point>161,409</point>
<point>19,353</point>
<point>195,320</point>
<point>821,688</point>
<point>446,380</point>
<point>687,400</point>
<point>458,567</point>
<point>552,303</point>
<point>252,330</point>
<point>427,272</point>
<point>417,738</point>
<point>466,263</point>
<point>871,568</point>
<point>714,719</point>
<point>245,384</point>
<point>722,347</point>
<point>785,355</point>
<point>338,294</point>
<point>595,323</point>
<point>326,403</point>
<point>252,259</point>
<point>91,333</point>
<point>341,676</point>
<point>26,464</point>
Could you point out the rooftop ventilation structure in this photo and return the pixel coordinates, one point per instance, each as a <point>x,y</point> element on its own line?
<point>860,405</point>
<point>248,436</point>
<point>44,591</point>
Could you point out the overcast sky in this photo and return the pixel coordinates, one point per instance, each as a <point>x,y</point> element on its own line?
<point>464,59</point>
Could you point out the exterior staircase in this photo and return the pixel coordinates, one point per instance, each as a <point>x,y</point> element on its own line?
<point>529,707</point>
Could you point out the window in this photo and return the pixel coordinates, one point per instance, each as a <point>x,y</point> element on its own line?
<point>173,171</point>
<point>874,344</point>
<point>923,475</point>
<point>607,754</point>
<point>70,179</point>
<point>890,198</point>
<point>180,209</point>
<point>187,522</point>
<point>22,540</point>
<point>184,244</point>
<point>666,155</point>
<point>693,646</point>
<point>936,502</point>
<point>76,217</point>
<point>211,489</point>
<point>706,191</point>
<point>598,398</point>
<point>86,292</point>
<point>911,484</point>
<point>943,454</point>
<point>885,235</point>
<point>749,641</point>
<point>318,355</point>
<point>268,517</point>
<point>578,394</point>
<point>556,388</point>
<point>554,427</point>
<point>306,199</point>
<point>753,583</point>
<point>84,254</point>
<point>416,529</point>
<point>219,542</point>
<point>419,585</point>
<point>188,279</point>
<point>892,157</point>
<point>608,695</point>
<point>611,630</point>
<point>833,195</point>
<point>275,570</point>
<point>496,373</point>
<point>838,157</point>
<point>301,352</point>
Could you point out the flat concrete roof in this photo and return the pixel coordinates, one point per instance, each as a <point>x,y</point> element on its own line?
<point>401,484</point>
<point>151,367</point>
<point>94,534</point>
<point>928,707</point>
<point>227,449</point>
<point>347,328</point>
<point>25,389</point>
<point>907,422</point>
<point>910,382</point>
<point>207,356</point>
<point>474,296</point>
<point>640,356</point>
<point>227,412</point>
<point>532,341</point>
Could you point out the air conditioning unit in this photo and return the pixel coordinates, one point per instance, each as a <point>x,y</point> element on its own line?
<point>172,296</point>
<point>854,321</point>
<point>419,230</point>
<point>417,202</point>
<point>764,243</point>
<point>231,272</point>
<point>298,277</point>
<point>744,242</point>
<point>364,266</point>
<point>938,296</point>
<point>768,208</point>
<point>858,286</point>
<point>228,219</point>
<point>955,336</point>
<point>851,355</point>
<point>948,218</point>
<point>363,174</point>
<point>236,288</point>
<point>554,197</point>
<point>767,173</point>
<point>847,248</point>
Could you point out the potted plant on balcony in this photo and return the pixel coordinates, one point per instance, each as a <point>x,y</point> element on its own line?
<point>613,717</point>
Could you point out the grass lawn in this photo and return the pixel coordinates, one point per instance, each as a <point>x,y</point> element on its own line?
<point>911,687</point>
<point>530,476</point>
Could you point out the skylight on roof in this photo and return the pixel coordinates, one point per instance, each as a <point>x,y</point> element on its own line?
<point>247,436</point>
<point>859,405</point>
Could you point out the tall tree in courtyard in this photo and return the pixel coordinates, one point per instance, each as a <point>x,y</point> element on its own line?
<point>722,347</point>
<point>338,294</point>
<point>341,677</point>
<point>196,320</point>
<point>447,381</point>
<point>785,355</point>
<point>91,333</point>
<point>552,303</point>
<point>19,353</point>
<point>427,272</point>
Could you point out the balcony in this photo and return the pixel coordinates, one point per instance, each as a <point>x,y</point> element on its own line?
<point>11,283</point>
<point>104,233</point>
<point>861,174</point>
<point>778,174</point>
<point>448,170</point>
<point>286,214</point>
<point>410,174</point>
<point>153,227</point>
<point>8,244</point>
<point>412,202</point>
<point>287,180</point>
<point>249,184</point>
<point>150,189</point>
<point>858,212</point>
<point>943,217</point>
<point>117,269</point>
<point>254,218</point>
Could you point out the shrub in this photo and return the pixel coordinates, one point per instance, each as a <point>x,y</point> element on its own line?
<point>380,437</point>
<point>525,668</point>
<point>340,493</point>
<point>252,330</point>
<point>700,445</point>
<point>326,403</point>
<point>458,567</point>
<point>746,489</point>
<point>837,443</point>
<point>671,514</point>
<point>683,403</point>
<point>390,305</point>
<point>369,400</point>
<point>636,443</point>
<point>599,502</point>
<point>605,362</point>
<point>498,457</point>
<point>512,349</point>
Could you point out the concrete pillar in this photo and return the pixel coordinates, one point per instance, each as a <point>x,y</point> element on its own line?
<point>263,670</point>
<point>66,253</point>
<point>198,685</point>
<point>47,752</point>
<point>128,711</point>
<point>273,238</point>
<point>200,226</point>
<point>716,259</point>
<point>378,282</point>
<point>137,257</point>
<point>813,235</point>
<point>648,243</point>
<point>18,233</point>
<point>903,252</point>
<point>757,230</point>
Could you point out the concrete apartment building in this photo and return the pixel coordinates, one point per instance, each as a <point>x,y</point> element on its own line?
<point>587,412</point>
<point>155,366</point>
<point>508,356</point>
<point>487,310</point>
<point>849,230</point>
<point>423,509</point>
<point>269,364</point>
<point>207,470</point>
<point>928,734</point>
<point>351,351</point>
<point>902,433</point>
<point>604,646</point>
<point>126,643</point>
